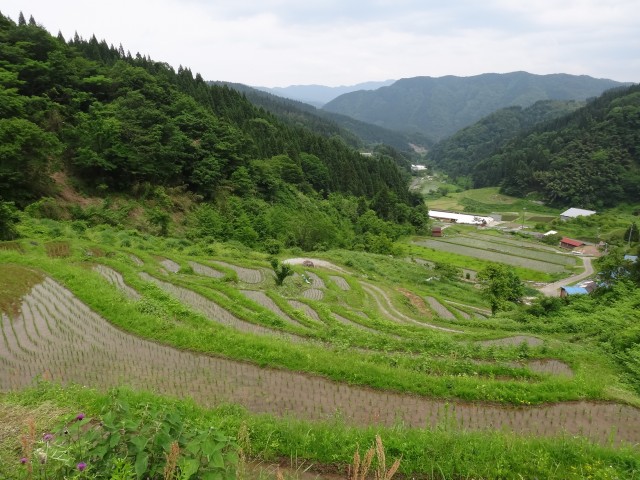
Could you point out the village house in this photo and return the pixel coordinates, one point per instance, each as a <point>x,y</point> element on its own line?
<point>570,243</point>
<point>574,213</point>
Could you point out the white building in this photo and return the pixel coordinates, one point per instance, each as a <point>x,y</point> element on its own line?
<point>465,218</point>
<point>575,212</point>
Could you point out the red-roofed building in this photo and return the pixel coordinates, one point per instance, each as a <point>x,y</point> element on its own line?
<point>570,243</point>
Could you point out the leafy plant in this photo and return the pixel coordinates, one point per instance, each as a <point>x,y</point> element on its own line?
<point>282,271</point>
<point>126,443</point>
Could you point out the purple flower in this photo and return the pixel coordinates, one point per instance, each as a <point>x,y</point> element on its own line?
<point>82,466</point>
<point>24,460</point>
<point>47,437</point>
<point>80,416</point>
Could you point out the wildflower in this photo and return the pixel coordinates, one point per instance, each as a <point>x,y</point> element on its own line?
<point>47,437</point>
<point>24,460</point>
<point>80,416</point>
<point>82,466</point>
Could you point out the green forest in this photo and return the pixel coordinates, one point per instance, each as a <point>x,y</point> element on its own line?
<point>589,157</point>
<point>116,125</point>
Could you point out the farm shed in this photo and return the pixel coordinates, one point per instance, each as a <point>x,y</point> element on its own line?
<point>465,218</point>
<point>436,231</point>
<point>570,243</point>
<point>567,291</point>
<point>575,212</point>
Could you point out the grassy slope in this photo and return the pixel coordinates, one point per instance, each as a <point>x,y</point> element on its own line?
<point>333,443</point>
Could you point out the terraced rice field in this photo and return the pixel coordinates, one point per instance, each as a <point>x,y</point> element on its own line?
<point>115,278</point>
<point>384,304</point>
<point>170,265</point>
<point>262,299</point>
<point>522,249</point>
<point>513,341</point>
<point>246,275</point>
<point>440,309</point>
<point>136,260</point>
<point>205,271</point>
<point>215,312</point>
<point>340,282</point>
<point>57,336</point>
<point>313,294</point>
<point>492,256</point>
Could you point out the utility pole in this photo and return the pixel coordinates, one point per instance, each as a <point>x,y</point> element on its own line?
<point>630,232</point>
<point>524,211</point>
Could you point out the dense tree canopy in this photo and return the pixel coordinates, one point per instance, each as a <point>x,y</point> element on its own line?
<point>123,124</point>
<point>589,158</point>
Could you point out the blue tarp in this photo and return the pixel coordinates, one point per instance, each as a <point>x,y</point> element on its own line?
<point>575,290</point>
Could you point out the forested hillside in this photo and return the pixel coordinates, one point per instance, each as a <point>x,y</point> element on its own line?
<point>589,158</point>
<point>458,154</point>
<point>354,132</point>
<point>438,107</point>
<point>118,124</point>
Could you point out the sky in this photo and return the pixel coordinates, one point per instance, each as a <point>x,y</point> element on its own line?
<point>273,43</point>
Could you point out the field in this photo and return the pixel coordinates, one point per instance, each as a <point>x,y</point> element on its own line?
<point>494,250</point>
<point>360,342</point>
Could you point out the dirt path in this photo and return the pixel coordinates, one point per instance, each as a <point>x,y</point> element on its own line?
<point>553,289</point>
<point>60,338</point>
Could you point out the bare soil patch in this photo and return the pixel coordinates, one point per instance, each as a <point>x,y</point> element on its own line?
<point>317,262</point>
<point>57,249</point>
<point>417,302</point>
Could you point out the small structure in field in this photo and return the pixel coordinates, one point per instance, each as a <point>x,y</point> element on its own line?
<point>436,231</point>
<point>570,243</point>
<point>574,213</point>
<point>583,288</point>
<point>464,218</point>
<point>308,263</point>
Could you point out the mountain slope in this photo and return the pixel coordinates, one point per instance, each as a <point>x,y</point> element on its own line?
<point>458,154</point>
<point>589,158</point>
<point>438,107</point>
<point>118,126</point>
<point>354,132</point>
<point>318,95</point>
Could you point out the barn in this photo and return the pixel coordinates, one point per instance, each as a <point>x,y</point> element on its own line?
<point>570,243</point>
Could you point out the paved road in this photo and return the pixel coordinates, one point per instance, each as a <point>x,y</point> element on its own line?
<point>553,289</point>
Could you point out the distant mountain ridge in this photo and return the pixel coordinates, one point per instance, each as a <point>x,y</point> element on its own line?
<point>318,95</point>
<point>354,132</point>
<point>438,107</point>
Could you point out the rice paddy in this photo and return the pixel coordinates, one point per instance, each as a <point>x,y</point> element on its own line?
<point>410,330</point>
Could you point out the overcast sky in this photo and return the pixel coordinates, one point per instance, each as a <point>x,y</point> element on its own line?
<point>344,42</point>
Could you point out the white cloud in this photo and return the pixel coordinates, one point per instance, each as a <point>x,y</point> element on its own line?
<point>332,42</point>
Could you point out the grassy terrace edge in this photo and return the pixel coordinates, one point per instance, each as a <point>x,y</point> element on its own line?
<point>442,452</point>
<point>197,334</point>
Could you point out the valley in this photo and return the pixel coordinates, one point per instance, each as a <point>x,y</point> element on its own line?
<point>200,280</point>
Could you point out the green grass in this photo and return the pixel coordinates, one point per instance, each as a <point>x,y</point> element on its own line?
<point>445,452</point>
